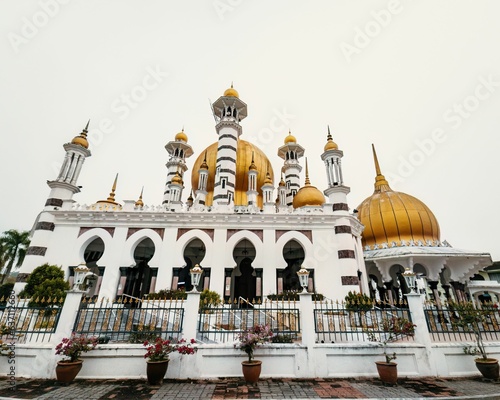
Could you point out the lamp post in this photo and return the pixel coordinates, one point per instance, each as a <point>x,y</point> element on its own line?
<point>195,277</point>
<point>80,273</point>
<point>303,279</point>
<point>410,278</point>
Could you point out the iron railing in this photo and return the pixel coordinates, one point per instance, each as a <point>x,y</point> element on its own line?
<point>222,324</point>
<point>339,322</point>
<point>130,320</point>
<point>22,323</point>
<point>443,323</point>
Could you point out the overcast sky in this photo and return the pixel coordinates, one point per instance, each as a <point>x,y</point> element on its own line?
<point>419,79</point>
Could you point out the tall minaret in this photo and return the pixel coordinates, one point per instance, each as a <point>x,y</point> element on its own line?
<point>282,206</point>
<point>291,151</point>
<point>337,192</point>
<point>228,111</point>
<point>267,194</point>
<point>179,150</point>
<point>62,188</point>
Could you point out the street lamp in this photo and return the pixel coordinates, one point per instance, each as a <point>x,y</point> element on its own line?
<point>195,277</point>
<point>410,278</point>
<point>81,272</point>
<point>303,279</point>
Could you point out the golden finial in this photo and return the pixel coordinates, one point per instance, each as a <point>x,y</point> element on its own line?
<point>204,164</point>
<point>140,203</point>
<point>308,182</point>
<point>252,167</point>
<point>380,181</point>
<point>111,197</point>
<point>330,144</point>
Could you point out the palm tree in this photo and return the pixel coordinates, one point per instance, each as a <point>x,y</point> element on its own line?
<point>13,249</point>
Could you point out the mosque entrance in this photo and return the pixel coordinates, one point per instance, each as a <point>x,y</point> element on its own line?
<point>138,278</point>
<point>287,279</point>
<point>243,282</point>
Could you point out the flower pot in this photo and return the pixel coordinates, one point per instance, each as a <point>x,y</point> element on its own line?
<point>156,371</point>
<point>251,370</point>
<point>388,372</point>
<point>488,367</point>
<point>67,371</point>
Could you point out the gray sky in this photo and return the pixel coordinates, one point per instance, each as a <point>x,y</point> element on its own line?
<point>420,79</point>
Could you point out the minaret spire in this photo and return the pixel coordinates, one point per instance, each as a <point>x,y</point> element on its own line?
<point>381,184</point>
<point>308,182</point>
<point>113,190</point>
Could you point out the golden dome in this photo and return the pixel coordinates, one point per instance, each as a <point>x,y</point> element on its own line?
<point>181,136</point>
<point>290,138</point>
<point>390,216</point>
<point>139,202</point>
<point>282,182</point>
<point>330,144</point>
<point>243,159</point>
<point>308,195</point>
<point>177,179</point>
<point>110,203</point>
<point>252,166</point>
<point>81,139</point>
<point>231,92</point>
<point>268,180</point>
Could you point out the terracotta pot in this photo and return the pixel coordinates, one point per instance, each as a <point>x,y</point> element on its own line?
<point>67,371</point>
<point>156,371</point>
<point>251,370</point>
<point>488,367</point>
<point>388,372</point>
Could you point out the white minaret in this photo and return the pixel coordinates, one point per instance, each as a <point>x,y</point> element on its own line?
<point>267,194</point>
<point>291,152</point>
<point>282,206</point>
<point>252,192</point>
<point>201,191</point>
<point>228,111</point>
<point>337,192</point>
<point>179,150</point>
<point>61,189</point>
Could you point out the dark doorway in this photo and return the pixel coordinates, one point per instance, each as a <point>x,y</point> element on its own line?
<point>245,283</point>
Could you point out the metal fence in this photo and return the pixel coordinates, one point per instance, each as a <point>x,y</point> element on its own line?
<point>130,320</point>
<point>222,324</point>
<point>339,322</point>
<point>28,320</point>
<point>443,323</point>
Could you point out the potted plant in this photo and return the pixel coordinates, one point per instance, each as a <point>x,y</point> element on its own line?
<point>248,341</point>
<point>467,316</point>
<point>393,329</point>
<point>157,353</point>
<point>72,348</point>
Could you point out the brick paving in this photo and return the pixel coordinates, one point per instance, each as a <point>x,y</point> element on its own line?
<point>236,388</point>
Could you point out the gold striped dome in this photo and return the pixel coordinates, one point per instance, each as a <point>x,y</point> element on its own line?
<point>81,139</point>
<point>290,138</point>
<point>390,216</point>
<point>231,92</point>
<point>243,161</point>
<point>181,136</point>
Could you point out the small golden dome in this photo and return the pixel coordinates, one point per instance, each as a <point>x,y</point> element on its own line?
<point>282,182</point>
<point>308,195</point>
<point>204,164</point>
<point>139,202</point>
<point>268,180</point>
<point>252,166</point>
<point>177,179</point>
<point>231,92</point>
<point>330,144</point>
<point>81,139</point>
<point>290,138</point>
<point>390,216</point>
<point>181,136</point>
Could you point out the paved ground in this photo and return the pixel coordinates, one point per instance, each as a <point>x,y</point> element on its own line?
<point>233,388</point>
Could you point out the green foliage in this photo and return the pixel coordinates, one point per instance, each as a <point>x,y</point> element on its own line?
<point>291,295</point>
<point>5,291</point>
<point>282,339</point>
<point>46,281</point>
<point>167,294</point>
<point>13,247</point>
<point>209,298</point>
<point>355,301</point>
<point>141,335</point>
<point>394,329</point>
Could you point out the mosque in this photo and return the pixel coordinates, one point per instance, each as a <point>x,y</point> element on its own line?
<point>249,229</point>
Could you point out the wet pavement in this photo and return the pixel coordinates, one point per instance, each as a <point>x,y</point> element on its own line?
<point>235,388</point>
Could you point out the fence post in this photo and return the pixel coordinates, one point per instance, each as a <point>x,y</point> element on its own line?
<point>190,323</point>
<point>68,315</point>
<point>307,320</point>
<point>422,335</point>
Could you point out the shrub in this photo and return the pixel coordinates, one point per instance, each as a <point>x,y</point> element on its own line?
<point>46,281</point>
<point>291,295</point>
<point>209,298</point>
<point>355,301</point>
<point>168,294</point>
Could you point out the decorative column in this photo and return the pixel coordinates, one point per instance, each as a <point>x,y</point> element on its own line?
<point>291,152</point>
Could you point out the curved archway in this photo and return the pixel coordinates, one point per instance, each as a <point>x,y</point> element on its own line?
<point>193,254</point>
<point>243,276</point>
<point>287,279</point>
<point>139,277</point>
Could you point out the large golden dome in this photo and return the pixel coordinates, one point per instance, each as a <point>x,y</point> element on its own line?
<point>390,216</point>
<point>243,161</point>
